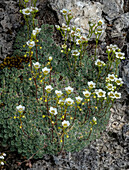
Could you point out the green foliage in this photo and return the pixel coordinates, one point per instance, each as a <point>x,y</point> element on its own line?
<point>36,129</point>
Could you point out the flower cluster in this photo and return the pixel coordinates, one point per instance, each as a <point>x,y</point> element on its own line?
<point>30,43</point>
<point>99,63</point>
<point>29,10</point>
<point>36,31</point>
<point>2,158</point>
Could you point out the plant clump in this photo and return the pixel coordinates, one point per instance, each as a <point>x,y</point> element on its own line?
<point>64,98</point>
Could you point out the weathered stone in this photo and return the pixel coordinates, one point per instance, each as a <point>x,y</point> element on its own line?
<point>125,75</point>
<point>10,19</point>
<point>82,12</point>
<point>112,8</point>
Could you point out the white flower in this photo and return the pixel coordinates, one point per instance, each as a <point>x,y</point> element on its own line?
<point>69,89</point>
<point>64,27</point>
<point>91,84</point>
<point>84,38</point>
<point>77,35</point>
<point>1,157</point>
<point>79,29</point>
<point>69,101</point>
<point>2,163</point>
<point>68,29</point>
<point>100,22</point>
<point>87,93</point>
<point>36,65</point>
<point>64,11</point>
<point>112,48</point>
<point>111,94</point>
<point>78,99</point>
<point>53,110</point>
<point>100,93</point>
<point>111,77</point>
<point>99,63</point>
<point>120,55</point>
<point>37,30</point>
<point>64,46</point>
<point>46,71</point>
<point>57,27</point>
<point>78,41</point>
<point>119,81</point>
<point>20,108</point>
<point>65,124</point>
<point>61,102</point>
<point>30,43</point>
<point>26,11</point>
<point>48,88</point>
<point>94,119</point>
<point>50,58</point>
<point>33,9</point>
<point>75,52</point>
<point>34,32</point>
<point>4,154</point>
<point>72,33</point>
<point>117,95</point>
<point>109,49</point>
<point>99,30</point>
<point>109,86</point>
<point>58,93</point>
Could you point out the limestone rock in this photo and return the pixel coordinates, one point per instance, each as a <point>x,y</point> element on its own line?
<point>112,8</point>
<point>125,75</point>
<point>83,11</point>
<point>10,20</point>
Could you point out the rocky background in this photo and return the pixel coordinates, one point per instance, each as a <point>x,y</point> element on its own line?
<point>111,151</point>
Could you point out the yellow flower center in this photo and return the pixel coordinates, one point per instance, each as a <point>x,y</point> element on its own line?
<point>46,72</point>
<point>87,95</point>
<point>91,85</point>
<point>69,91</point>
<point>99,63</point>
<point>100,22</point>
<point>109,87</point>
<point>52,111</point>
<point>100,93</point>
<point>118,81</point>
<point>65,125</point>
<point>79,41</point>
<point>69,102</point>
<point>111,94</point>
<point>116,95</point>
<point>27,11</point>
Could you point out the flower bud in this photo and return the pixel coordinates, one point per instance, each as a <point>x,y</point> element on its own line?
<point>50,58</point>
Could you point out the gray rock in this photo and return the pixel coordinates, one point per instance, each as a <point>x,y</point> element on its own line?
<point>125,75</point>
<point>10,20</point>
<point>113,8</point>
<point>83,11</point>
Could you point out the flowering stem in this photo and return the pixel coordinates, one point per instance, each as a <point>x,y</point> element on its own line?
<point>50,75</point>
<point>88,135</point>
<point>36,51</point>
<point>88,106</point>
<point>75,115</point>
<point>23,129</point>
<point>30,58</point>
<point>96,47</point>
<point>44,90</point>
<point>62,142</point>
